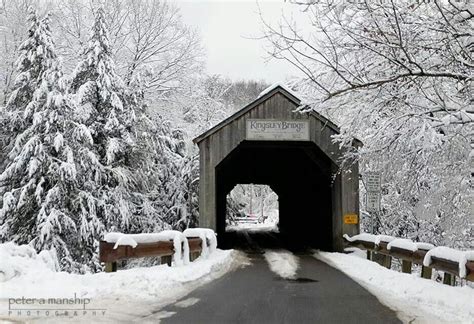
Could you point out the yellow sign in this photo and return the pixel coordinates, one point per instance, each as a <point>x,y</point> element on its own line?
<point>351,219</point>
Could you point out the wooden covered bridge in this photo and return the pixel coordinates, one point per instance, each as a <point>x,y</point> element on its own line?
<point>267,142</point>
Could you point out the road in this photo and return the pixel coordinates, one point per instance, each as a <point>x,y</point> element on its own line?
<point>254,294</point>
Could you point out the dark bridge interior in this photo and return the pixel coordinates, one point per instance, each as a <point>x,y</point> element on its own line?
<point>300,174</point>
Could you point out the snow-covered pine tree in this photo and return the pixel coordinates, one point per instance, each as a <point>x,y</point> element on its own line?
<point>40,181</point>
<point>163,163</point>
<point>35,56</point>
<point>116,187</point>
<point>180,184</point>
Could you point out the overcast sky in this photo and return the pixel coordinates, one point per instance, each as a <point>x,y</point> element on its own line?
<point>226,26</point>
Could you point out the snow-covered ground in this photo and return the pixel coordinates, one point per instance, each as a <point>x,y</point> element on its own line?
<point>122,296</point>
<point>262,227</point>
<point>416,300</point>
<point>283,263</point>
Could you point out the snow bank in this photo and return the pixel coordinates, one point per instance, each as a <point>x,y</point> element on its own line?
<point>253,228</point>
<point>404,244</point>
<point>283,263</point>
<point>206,235</point>
<point>446,253</point>
<point>180,242</point>
<point>126,295</point>
<point>20,259</point>
<point>416,300</point>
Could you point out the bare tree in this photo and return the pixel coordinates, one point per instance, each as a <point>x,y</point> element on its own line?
<point>13,28</point>
<point>398,75</point>
<point>148,37</point>
<point>159,41</point>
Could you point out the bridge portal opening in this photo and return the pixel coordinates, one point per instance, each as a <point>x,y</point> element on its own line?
<point>252,208</point>
<point>277,141</point>
<point>298,172</point>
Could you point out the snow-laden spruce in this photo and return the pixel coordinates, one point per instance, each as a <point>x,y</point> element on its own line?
<point>84,157</point>
<point>36,55</point>
<point>39,183</point>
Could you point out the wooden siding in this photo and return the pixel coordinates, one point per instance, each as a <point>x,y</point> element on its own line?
<point>220,141</point>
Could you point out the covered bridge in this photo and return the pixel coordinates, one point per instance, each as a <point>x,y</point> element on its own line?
<point>267,142</point>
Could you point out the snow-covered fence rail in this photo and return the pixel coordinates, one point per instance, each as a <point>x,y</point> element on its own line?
<point>246,220</point>
<point>169,245</point>
<point>381,248</point>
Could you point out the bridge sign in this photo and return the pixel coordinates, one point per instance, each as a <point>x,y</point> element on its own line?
<point>277,130</point>
<point>372,185</point>
<point>372,181</point>
<point>373,201</point>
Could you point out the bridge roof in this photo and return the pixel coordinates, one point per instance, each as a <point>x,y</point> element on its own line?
<point>277,89</point>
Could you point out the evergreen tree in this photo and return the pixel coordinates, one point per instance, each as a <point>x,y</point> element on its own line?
<point>35,56</point>
<point>90,161</point>
<point>117,185</point>
<point>40,180</point>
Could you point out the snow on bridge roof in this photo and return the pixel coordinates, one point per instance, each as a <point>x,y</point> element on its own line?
<point>263,96</point>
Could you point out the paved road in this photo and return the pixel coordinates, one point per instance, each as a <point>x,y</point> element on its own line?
<point>254,294</point>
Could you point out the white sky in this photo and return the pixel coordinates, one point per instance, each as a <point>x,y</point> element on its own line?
<point>225,27</point>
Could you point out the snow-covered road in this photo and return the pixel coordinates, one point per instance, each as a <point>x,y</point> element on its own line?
<point>300,288</point>
<point>281,287</point>
<point>277,286</point>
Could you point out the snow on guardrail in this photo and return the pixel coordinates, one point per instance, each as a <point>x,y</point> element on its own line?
<point>192,240</point>
<point>178,238</point>
<point>407,244</point>
<point>207,236</point>
<point>404,244</point>
<point>456,262</point>
<point>446,253</point>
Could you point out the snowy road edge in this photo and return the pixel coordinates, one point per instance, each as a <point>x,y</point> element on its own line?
<point>406,309</point>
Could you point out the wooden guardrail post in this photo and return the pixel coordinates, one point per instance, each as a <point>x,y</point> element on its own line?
<point>426,272</point>
<point>369,255</point>
<point>110,266</point>
<point>167,259</point>
<point>195,248</point>
<point>387,261</point>
<point>406,266</point>
<point>194,255</point>
<point>449,279</point>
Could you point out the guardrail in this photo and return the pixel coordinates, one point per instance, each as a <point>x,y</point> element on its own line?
<point>382,255</point>
<point>246,220</point>
<point>163,249</point>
